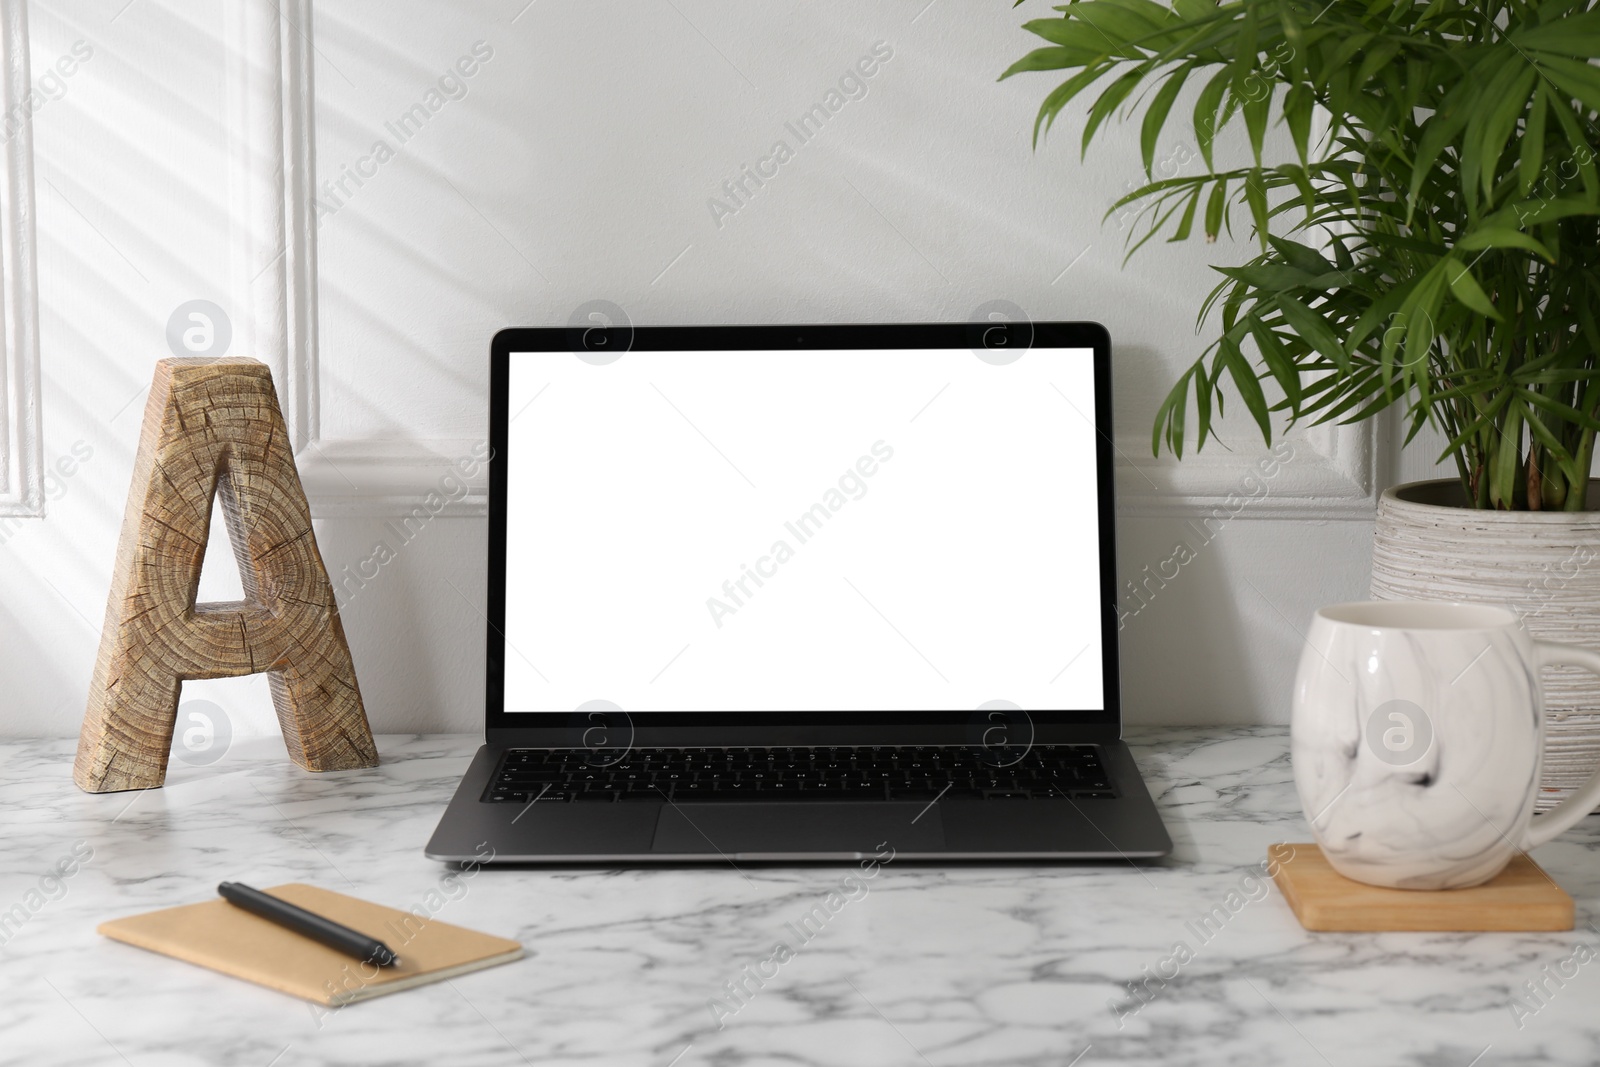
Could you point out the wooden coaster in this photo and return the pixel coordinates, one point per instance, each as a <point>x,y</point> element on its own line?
<point>1521,897</point>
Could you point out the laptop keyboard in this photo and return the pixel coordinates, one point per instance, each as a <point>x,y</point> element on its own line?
<point>559,776</point>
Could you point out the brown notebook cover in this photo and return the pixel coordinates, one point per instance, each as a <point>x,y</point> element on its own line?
<point>226,938</point>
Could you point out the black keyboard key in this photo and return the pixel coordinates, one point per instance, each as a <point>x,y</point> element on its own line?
<point>532,772</point>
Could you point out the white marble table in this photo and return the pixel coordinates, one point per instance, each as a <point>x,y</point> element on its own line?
<point>932,966</point>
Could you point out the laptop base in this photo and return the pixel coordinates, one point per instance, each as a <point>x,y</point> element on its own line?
<point>800,830</point>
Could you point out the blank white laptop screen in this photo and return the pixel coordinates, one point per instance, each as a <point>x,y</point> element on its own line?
<point>836,530</point>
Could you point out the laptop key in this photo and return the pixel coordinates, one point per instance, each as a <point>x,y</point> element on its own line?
<point>531,771</point>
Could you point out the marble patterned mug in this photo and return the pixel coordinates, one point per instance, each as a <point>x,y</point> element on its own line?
<point>1418,737</point>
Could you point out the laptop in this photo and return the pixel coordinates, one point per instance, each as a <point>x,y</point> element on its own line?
<point>809,593</point>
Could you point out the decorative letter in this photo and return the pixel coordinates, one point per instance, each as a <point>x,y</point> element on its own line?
<point>212,426</point>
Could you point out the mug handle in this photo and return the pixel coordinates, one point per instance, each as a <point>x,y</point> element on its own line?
<point>1565,814</point>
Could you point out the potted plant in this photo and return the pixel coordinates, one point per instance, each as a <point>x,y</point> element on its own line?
<point>1431,243</point>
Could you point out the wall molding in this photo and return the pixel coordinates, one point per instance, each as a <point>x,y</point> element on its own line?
<point>1332,474</point>
<point>393,478</point>
<point>272,111</point>
<point>272,250</point>
<point>21,409</point>
<point>272,184</point>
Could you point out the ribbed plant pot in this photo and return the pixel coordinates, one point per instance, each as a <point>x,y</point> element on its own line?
<point>1543,565</point>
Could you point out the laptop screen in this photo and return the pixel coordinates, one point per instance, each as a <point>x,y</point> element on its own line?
<point>820,530</point>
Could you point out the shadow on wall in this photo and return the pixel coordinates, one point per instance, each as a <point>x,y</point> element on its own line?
<point>1183,643</point>
<point>415,623</point>
<point>22,656</point>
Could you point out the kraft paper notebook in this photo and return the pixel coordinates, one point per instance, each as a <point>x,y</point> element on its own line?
<point>225,938</point>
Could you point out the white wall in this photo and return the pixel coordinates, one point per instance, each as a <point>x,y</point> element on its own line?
<point>578,166</point>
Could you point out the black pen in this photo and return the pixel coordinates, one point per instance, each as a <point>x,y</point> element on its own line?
<point>350,942</point>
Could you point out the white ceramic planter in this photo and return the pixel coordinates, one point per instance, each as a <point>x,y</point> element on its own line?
<point>1543,565</point>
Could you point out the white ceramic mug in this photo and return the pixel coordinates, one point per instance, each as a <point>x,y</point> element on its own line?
<point>1418,739</point>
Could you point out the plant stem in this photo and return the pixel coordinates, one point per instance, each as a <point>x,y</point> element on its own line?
<point>1578,492</point>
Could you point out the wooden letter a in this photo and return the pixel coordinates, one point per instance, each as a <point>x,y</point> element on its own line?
<point>212,426</point>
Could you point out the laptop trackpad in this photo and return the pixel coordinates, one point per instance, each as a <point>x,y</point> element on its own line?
<point>756,831</point>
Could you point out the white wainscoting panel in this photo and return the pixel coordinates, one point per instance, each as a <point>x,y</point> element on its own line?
<point>580,161</point>
<point>21,414</point>
<point>1329,472</point>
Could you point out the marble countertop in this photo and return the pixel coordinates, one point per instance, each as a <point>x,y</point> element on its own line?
<point>1004,965</point>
